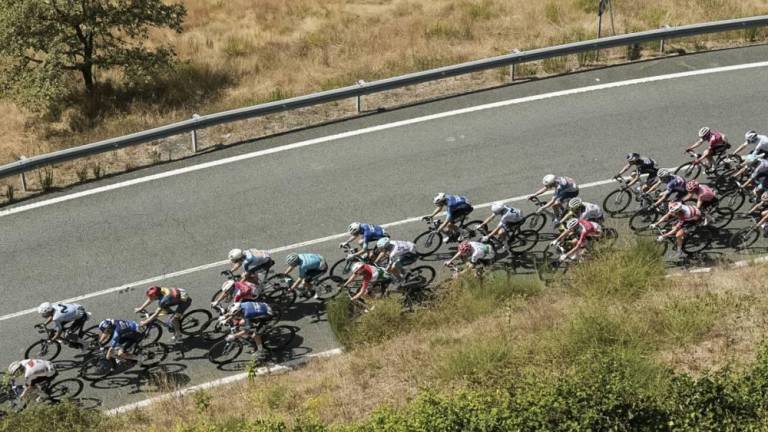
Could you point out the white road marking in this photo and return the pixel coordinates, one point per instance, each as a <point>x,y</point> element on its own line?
<point>280,368</point>
<point>275,250</point>
<point>311,142</point>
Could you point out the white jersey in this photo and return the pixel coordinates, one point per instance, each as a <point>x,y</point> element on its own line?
<point>511,216</point>
<point>479,251</point>
<point>762,169</point>
<point>66,312</point>
<point>762,144</point>
<point>34,369</point>
<point>591,212</point>
<point>400,248</point>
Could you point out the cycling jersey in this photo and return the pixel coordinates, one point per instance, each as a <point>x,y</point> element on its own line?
<point>310,263</point>
<point>400,247</point>
<point>676,184</point>
<point>255,259</point>
<point>760,170</point>
<point>705,193</point>
<point>480,251</point>
<point>35,368</point>
<point>172,297</point>
<point>565,184</point>
<point>370,274</point>
<point>371,232</point>
<point>716,139</point>
<point>761,146</point>
<point>510,216</point>
<point>689,213</point>
<point>587,230</point>
<point>456,206</point>
<point>245,290</point>
<point>646,166</point>
<point>591,212</point>
<point>124,331</point>
<point>252,310</point>
<point>64,313</point>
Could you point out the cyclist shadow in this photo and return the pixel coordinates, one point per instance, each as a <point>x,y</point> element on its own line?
<point>164,377</point>
<point>520,263</point>
<point>291,351</point>
<point>304,308</point>
<point>66,365</point>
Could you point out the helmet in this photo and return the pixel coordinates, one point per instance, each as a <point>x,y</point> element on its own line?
<point>14,367</point>
<point>692,185</point>
<point>354,228</point>
<point>105,325</point>
<point>764,196</point>
<point>439,198</point>
<point>704,132</point>
<point>235,255</point>
<point>675,206</point>
<point>153,291</point>
<point>572,222</point>
<point>497,208</point>
<point>292,259</point>
<point>356,266</point>
<point>548,180</point>
<point>633,156</point>
<point>234,308</point>
<point>45,309</point>
<point>464,247</point>
<point>382,243</point>
<point>575,203</point>
<point>663,173</point>
<point>750,136</point>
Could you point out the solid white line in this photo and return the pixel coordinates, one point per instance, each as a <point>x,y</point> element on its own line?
<point>275,250</point>
<point>280,368</point>
<point>307,143</point>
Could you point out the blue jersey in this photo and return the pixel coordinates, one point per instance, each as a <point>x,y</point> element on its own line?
<point>676,184</point>
<point>253,310</point>
<point>565,184</point>
<point>123,330</point>
<point>453,201</point>
<point>310,262</point>
<point>255,260</point>
<point>371,232</point>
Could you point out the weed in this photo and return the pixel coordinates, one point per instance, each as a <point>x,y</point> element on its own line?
<point>633,52</point>
<point>81,170</point>
<point>202,400</point>
<point>553,12</point>
<point>97,169</point>
<point>555,65</point>
<point>10,193</point>
<point>45,178</point>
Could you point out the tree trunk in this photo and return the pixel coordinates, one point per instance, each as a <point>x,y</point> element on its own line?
<point>87,72</point>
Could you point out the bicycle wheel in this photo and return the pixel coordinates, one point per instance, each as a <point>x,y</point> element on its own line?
<point>689,170</point>
<point>420,276</point>
<point>224,352</point>
<point>152,334</point>
<point>68,388</point>
<point>192,322</point>
<point>95,368</point>
<point>640,221</point>
<point>550,259</point>
<point>341,268</point>
<point>153,354</point>
<point>43,350</point>
<point>535,221</point>
<point>276,338</point>
<point>697,241</point>
<point>328,287</point>
<point>610,235</point>
<point>428,243</point>
<point>523,241</point>
<point>734,200</point>
<point>745,238</point>
<point>278,291</point>
<point>471,229</point>
<point>417,296</point>
<point>722,216</point>
<point>214,330</point>
<point>617,201</point>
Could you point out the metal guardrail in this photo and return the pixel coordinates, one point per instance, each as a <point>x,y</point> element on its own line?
<point>363,88</point>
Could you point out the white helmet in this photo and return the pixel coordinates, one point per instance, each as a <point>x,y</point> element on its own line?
<point>572,222</point>
<point>236,255</point>
<point>439,198</point>
<point>703,132</point>
<point>548,180</point>
<point>382,242</point>
<point>354,228</point>
<point>234,308</point>
<point>14,367</point>
<point>750,136</point>
<point>356,266</point>
<point>45,309</point>
<point>497,208</point>
<point>575,203</point>
<point>664,173</point>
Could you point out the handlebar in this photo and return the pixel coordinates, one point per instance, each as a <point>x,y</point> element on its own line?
<point>536,200</point>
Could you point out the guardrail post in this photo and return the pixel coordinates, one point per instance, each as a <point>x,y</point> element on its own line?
<point>661,44</point>
<point>513,68</point>
<point>23,176</point>
<point>194,135</point>
<point>360,98</point>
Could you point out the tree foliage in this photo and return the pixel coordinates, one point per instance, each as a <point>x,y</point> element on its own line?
<point>48,45</point>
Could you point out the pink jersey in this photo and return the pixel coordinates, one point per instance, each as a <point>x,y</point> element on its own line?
<point>716,139</point>
<point>588,229</point>
<point>688,213</point>
<point>705,193</point>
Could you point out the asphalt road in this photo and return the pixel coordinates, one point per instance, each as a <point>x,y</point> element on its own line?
<point>141,231</point>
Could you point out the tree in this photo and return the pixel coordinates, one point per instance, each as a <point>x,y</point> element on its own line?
<point>44,42</point>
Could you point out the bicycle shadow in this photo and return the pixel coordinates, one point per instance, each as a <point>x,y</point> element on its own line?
<point>292,350</point>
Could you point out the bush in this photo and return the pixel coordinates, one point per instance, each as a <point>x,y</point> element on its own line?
<point>64,417</point>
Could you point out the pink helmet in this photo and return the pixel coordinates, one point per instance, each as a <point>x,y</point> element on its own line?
<point>153,291</point>
<point>464,247</point>
<point>692,185</point>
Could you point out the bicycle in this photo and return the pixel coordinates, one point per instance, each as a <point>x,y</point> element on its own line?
<point>342,267</point>
<point>515,240</point>
<point>696,238</point>
<point>722,163</point>
<point>429,241</point>
<point>191,322</point>
<point>746,237</point>
<point>47,349</point>
<point>97,366</point>
<point>619,199</point>
<point>276,291</point>
<point>648,213</point>
<point>537,220</point>
<point>52,392</point>
<point>274,338</point>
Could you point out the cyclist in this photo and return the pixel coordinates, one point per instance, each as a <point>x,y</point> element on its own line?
<point>759,174</point>
<point>400,254</point>
<point>252,261</point>
<point>122,336</point>
<point>642,165</point>
<point>717,145</point>
<point>366,234</point>
<point>704,195</point>
<point>511,218</point>
<point>674,184</point>
<point>244,290</point>
<point>686,215</point>
<point>584,229</point>
<point>456,208</point>
<point>370,274</point>
<point>38,375</point>
<point>473,253</point>
<point>248,316</point>
<point>167,298</point>
<point>61,314</point>
<point>760,142</point>
<point>584,210</point>
<point>311,266</point>
<point>565,189</point>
